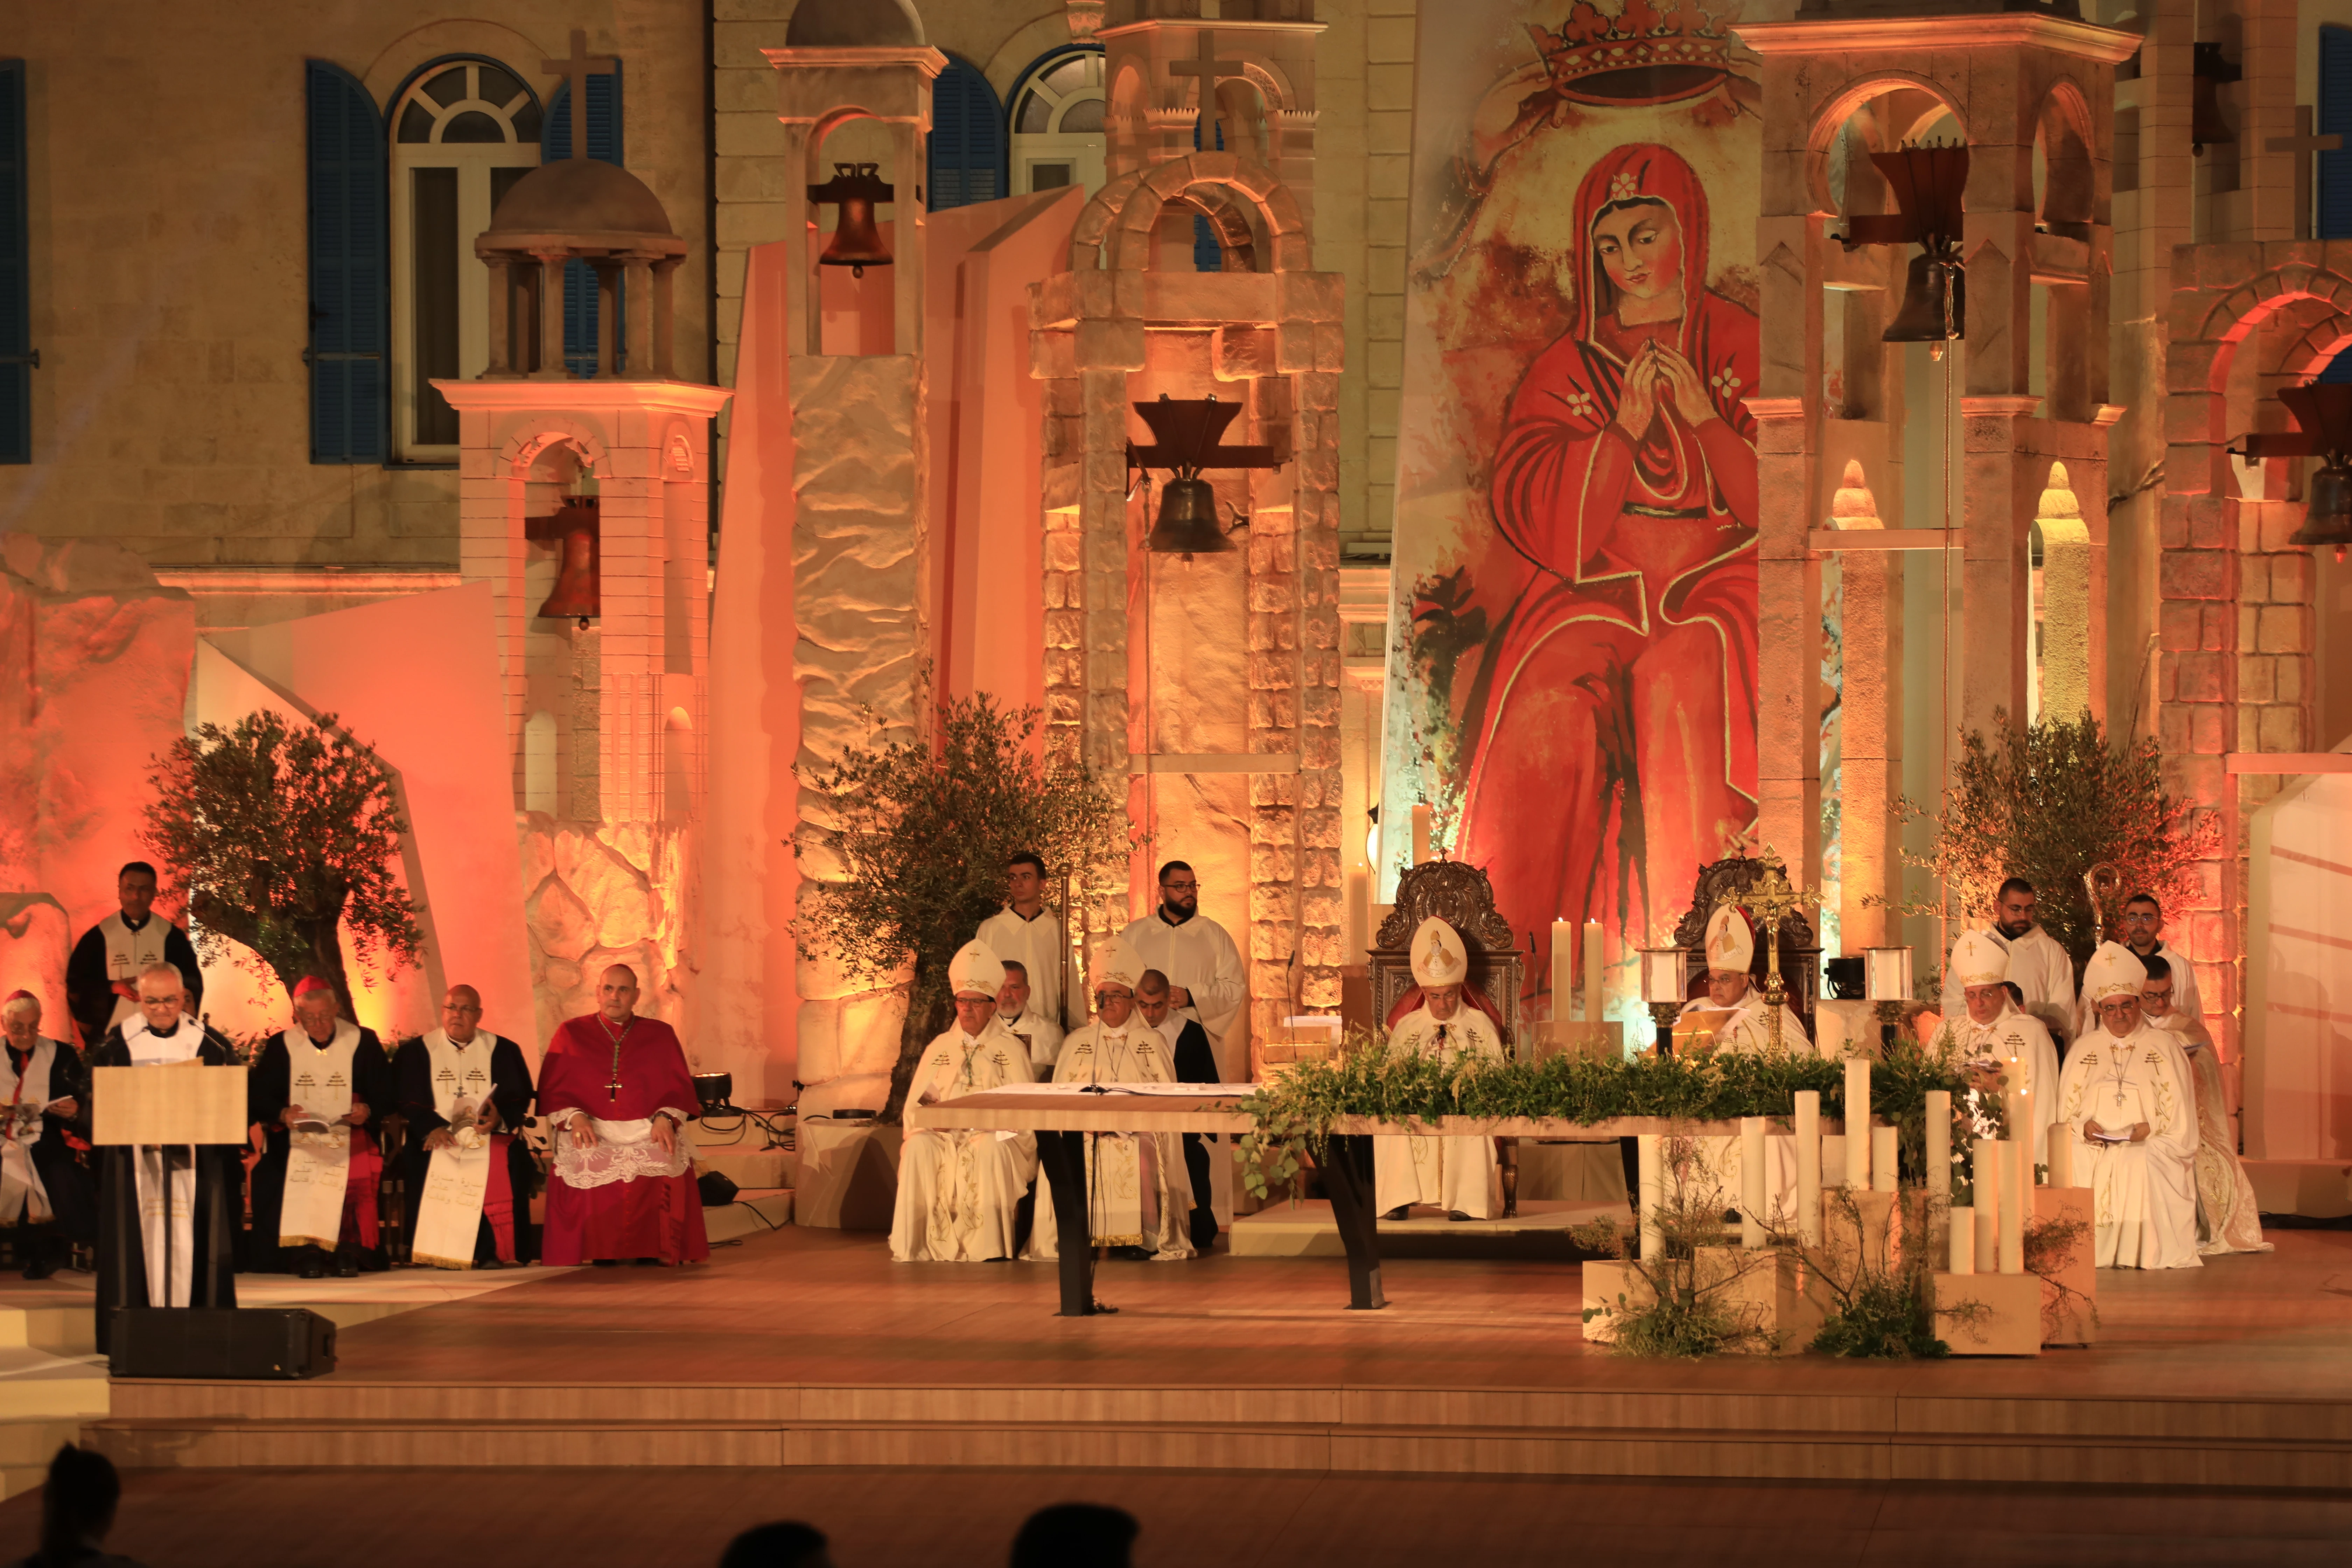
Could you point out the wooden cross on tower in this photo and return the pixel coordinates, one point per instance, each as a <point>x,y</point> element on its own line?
<point>576,70</point>
<point>2303,144</point>
<point>1211,70</point>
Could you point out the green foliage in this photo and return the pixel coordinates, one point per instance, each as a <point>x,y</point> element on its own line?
<point>1885,1304</point>
<point>1684,1309</point>
<point>916,860</point>
<point>278,833</point>
<point>2047,802</point>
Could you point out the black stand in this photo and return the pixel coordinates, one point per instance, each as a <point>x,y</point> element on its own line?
<point>1348,1180</point>
<point>1063,1156</point>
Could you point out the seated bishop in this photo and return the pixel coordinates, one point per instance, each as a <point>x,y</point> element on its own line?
<point>467,1170</point>
<point>959,1189</point>
<point>1456,1175</point>
<point>45,1192</point>
<point>2227,1219</point>
<point>2005,1050</point>
<point>1139,1188</point>
<point>320,1090</point>
<point>2126,1104</point>
<point>1733,1010</point>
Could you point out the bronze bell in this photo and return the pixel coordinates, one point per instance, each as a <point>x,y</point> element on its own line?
<point>2327,509</point>
<point>1188,524</point>
<point>1935,304</point>
<point>2210,70</point>
<point>577,591</point>
<point>858,243</point>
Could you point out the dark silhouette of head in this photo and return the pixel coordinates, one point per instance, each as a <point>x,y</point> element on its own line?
<point>1076,1536</point>
<point>78,1504</point>
<point>787,1543</point>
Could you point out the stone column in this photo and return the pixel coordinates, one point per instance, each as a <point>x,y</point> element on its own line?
<point>640,353</point>
<point>550,365</point>
<point>585,801</point>
<point>501,328</point>
<point>1870,721</point>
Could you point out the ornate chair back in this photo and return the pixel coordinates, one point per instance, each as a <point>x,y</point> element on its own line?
<point>1461,895</point>
<point>1801,950</point>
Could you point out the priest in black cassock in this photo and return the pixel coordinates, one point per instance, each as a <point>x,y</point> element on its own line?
<point>101,976</point>
<point>320,1090</point>
<point>45,1182</point>
<point>166,1216</point>
<point>464,1093</point>
<point>1196,1062</point>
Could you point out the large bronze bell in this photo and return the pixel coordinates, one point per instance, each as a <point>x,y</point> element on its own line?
<point>2327,509</point>
<point>1188,523</point>
<point>2210,70</point>
<point>578,593</point>
<point>858,243</point>
<point>1935,304</point>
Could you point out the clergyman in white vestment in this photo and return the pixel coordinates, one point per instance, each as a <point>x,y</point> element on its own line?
<point>1206,976</point>
<point>1017,1009</point>
<point>1742,1026</point>
<point>2227,1217</point>
<point>1027,932</point>
<point>958,1188</point>
<point>1456,1175</point>
<point>2125,1100</point>
<point>2038,966</point>
<point>1998,1042</point>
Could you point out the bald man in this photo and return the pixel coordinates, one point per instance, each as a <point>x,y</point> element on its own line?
<point>617,1089</point>
<point>467,1170</point>
<point>320,1090</point>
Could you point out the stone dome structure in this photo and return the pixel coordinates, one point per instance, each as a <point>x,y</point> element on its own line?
<point>577,197</point>
<point>854,24</point>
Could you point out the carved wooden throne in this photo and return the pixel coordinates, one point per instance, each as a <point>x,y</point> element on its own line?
<point>1801,950</point>
<point>1462,896</point>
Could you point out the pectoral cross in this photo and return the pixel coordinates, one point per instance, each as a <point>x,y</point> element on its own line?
<point>576,71</point>
<point>1211,70</point>
<point>2303,144</point>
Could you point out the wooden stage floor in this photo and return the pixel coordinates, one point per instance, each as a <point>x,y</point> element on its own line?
<point>811,1348</point>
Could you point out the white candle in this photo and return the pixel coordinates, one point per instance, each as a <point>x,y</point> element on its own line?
<point>1809,1167</point>
<point>1359,915</point>
<point>1857,1123</point>
<point>2016,1192</point>
<point>2061,1154</point>
<point>1985,1169</point>
<point>1593,1000</point>
<point>1939,1143</point>
<point>1883,1163</point>
<point>1562,967</point>
<point>1420,835</point>
<point>1964,1241</point>
<point>1654,1181</point>
<point>1751,1181</point>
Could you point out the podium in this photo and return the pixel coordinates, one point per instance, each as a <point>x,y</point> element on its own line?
<point>185,1103</point>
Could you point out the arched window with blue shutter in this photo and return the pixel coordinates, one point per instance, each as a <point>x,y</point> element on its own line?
<point>349,300</point>
<point>603,141</point>
<point>967,150</point>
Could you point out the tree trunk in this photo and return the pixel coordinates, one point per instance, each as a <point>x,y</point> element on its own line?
<point>922,1025</point>
<point>323,934</point>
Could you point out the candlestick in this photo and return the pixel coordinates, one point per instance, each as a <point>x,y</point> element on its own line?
<point>1652,1174</point>
<point>1964,1240</point>
<point>1809,1167</point>
<point>1939,1143</point>
<point>1883,1166</point>
<point>2016,1192</point>
<point>1561,968</point>
<point>1752,1183</point>
<point>1857,1123</point>
<point>1593,1001</point>
<point>1984,1168</point>
<point>2061,1154</point>
<point>1420,835</point>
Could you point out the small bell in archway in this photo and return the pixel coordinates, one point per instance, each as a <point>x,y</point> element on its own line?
<point>578,595</point>
<point>1188,523</point>
<point>1935,304</point>
<point>858,243</point>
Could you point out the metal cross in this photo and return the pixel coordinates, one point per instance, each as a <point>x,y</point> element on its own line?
<point>2303,144</point>
<point>1211,70</point>
<point>576,72</point>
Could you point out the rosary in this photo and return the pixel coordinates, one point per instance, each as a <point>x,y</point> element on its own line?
<point>613,1090</point>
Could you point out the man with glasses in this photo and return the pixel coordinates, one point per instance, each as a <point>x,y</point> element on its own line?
<point>1206,982</point>
<point>2140,928</point>
<point>2227,1217</point>
<point>466,1171</point>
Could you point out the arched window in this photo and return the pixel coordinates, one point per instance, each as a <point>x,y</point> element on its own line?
<point>967,146</point>
<point>1058,123</point>
<point>463,131</point>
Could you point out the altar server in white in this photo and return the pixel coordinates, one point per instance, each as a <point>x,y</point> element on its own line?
<point>1025,932</point>
<point>2227,1217</point>
<point>1996,1041</point>
<point>1138,1192</point>
<point>1017,1010</point>
<point>464,1093</point>
<point>1731,988</point>
<point>958,1189</point>
<point>1206,976</point>
<point>1456,1175</point>
<point>2125,1100</point>
<point>2038,966</point>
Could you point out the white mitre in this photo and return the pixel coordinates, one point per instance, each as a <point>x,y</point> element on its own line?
<point>1438,957</point>
<point>1117,964</point>
<point>975,967</point>
<point>1730,941</point>
<point>2111,972</point>
<point>1977,960</point>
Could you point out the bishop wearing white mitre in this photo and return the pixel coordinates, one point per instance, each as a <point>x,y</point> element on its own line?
<point>2125,1101</point>
<point>1456,1175</point>
<point>1138,1195</point>
<point>1994,1038</point>
<point>958,1188</point>
<point>1731,988</point>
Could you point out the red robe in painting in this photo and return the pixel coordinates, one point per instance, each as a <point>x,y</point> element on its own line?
<point>1616,751</point>
<point>640,1216</point>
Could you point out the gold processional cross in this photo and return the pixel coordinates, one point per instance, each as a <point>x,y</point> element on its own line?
<point>1772,897</point>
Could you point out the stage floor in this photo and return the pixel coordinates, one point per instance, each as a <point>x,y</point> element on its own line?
<point>810,1347</point>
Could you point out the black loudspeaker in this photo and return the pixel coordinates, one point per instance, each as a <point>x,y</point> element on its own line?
<point>717,1191</point>
<point>221,1342</point>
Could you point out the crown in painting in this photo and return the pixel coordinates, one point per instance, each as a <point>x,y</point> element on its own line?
<point>1650,51</point>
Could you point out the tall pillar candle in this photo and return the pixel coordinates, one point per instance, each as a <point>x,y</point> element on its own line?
<point>1809,1167</point>
<point>1419,834</point>
<point>1939,1143</point>
<point>1857,1123</point>
<point>2061,1154</point>
<point>2016,1194</point>
<point>1964,1240</point>
<point>1884,1166</point>
<point>2017,1108</point>
<point>1563,966</point>
<point>1359,915</point>
<point>1752,1183</point>
<point>1593,1001</point>
<point>1654,1184</point>
<point>1984,1169</point>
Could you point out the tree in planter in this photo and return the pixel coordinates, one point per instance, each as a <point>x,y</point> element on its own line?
<point>2047,802</point>
<point>916,860</point>
<point>280,835</point>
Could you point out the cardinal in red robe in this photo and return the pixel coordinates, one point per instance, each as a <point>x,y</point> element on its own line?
<point>617,1090</point>
<point>1616,751</point>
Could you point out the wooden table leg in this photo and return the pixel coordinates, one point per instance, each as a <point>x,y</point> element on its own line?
<point>1348,1180</point>
<point>1062,1158</point>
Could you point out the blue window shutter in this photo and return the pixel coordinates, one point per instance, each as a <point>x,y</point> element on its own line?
<point>16,274</point>
<point>2334,209</point>
<point>967,161</point>
<point>1208,256</point>
<point>349,255</point>
<point>603,141</point>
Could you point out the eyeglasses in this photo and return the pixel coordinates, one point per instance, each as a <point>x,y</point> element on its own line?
<point>2141,917</point>
<point>1180,886</point>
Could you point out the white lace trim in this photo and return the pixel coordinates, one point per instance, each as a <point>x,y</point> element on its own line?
<point>625,1151</point>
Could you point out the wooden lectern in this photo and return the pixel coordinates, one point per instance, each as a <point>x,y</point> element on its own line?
<point>185,1102</point>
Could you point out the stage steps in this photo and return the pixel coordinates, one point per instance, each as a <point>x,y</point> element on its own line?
<point>2269,1444</point>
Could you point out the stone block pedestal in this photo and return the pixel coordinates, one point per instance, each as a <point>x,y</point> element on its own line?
<point>2069,1315</point>
<point>2010,1323</point>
